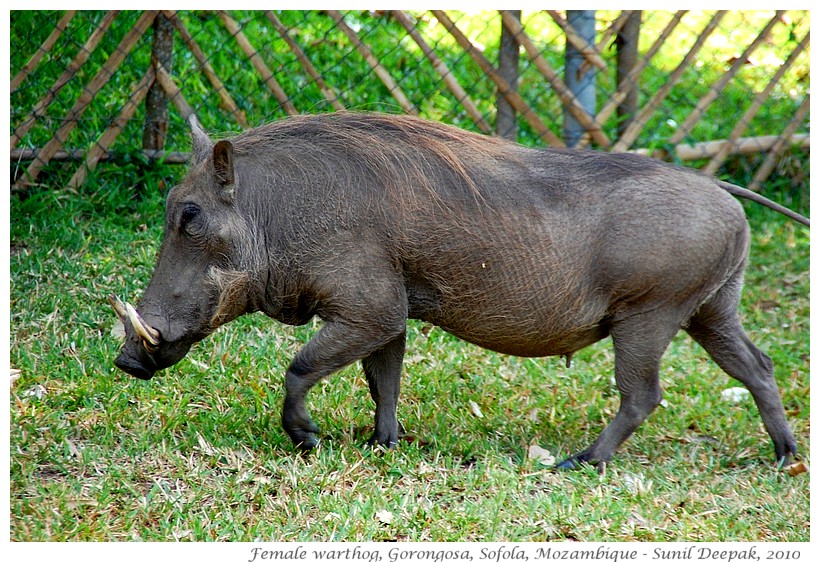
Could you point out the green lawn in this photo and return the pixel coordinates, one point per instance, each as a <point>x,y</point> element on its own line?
<point>198,453</point>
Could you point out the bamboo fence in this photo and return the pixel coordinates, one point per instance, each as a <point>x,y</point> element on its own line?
<point>272,64</point>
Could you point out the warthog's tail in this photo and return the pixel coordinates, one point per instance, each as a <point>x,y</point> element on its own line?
<point>744,193</point>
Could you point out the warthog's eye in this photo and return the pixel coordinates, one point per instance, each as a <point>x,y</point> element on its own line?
<point>188,216</point>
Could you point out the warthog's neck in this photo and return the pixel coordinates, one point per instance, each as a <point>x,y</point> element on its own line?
<point>283,297</point>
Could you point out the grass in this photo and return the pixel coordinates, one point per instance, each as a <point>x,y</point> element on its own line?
<point>198,454</point>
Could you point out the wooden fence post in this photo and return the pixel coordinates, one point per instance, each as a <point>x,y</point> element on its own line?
<point>506,124</point>
<point>582,84</point>
<point>513,97</point>
<point>627,43</point>
<point>156,102</point>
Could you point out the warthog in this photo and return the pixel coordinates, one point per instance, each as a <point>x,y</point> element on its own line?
<point>366,220</point>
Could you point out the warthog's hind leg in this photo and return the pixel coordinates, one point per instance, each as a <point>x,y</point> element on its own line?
<point>717,328</point>
<point>640,341</point>
<point>382,368</point>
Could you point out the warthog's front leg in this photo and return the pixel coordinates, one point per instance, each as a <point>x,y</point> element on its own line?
<point>335,346</point>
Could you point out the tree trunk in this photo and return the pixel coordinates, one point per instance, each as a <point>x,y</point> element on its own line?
<point>506,124</point>
<point>156,102</point>
<point>627,44</point>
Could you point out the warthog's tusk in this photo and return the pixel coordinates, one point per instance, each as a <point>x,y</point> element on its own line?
<point>118,307</point>
<point>127,314</point>
<point>146,333</point>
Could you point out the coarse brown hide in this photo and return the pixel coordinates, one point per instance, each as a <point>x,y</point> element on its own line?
<point>366,220</point>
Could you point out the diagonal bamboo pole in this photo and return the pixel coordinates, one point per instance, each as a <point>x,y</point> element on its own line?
<point>174,93</point>
<point>607,36</point>
<point>714,91</point>
<point>65,77</point>
<point>590,52</point>
<point>385,77</point>
<point>444,71</point>
<point>225,99</point>
<point>783,141</point>
<point>564,93</point>
<point>614,28</point>
<point>751,111</point>
<point>256,60</point>
<point>100,148</point>
<point>514,98</point>
<point>330,95</point>
<point>100,79</point>
<point>45,48</point>
<point>640,120</point>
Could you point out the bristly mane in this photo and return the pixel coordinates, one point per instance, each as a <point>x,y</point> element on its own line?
<point>396,147</point>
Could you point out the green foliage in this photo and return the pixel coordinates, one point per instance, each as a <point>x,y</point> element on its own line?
<point>198,453</point>
<point>350,76</point>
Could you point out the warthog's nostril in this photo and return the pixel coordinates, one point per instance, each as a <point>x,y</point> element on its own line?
<point>134,368</point>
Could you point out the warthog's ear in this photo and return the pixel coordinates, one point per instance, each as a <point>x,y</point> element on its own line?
<point>223,164</point>
<point>201,142</point>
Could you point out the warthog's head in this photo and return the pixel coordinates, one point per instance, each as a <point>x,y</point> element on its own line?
<point>201,279</point>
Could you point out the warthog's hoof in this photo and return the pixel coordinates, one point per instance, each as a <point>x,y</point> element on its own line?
<point>383,443</point>
<point>308,442</point>
<point>576,462</point>
<point>386,439</point>
<point>304,435</point>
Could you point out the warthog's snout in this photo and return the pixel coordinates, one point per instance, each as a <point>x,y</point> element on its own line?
<point>146,350</point>
<point>136,360</point>
<point>134,366</point>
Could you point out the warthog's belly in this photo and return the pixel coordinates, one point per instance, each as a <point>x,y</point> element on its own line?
<point>530,345</point>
